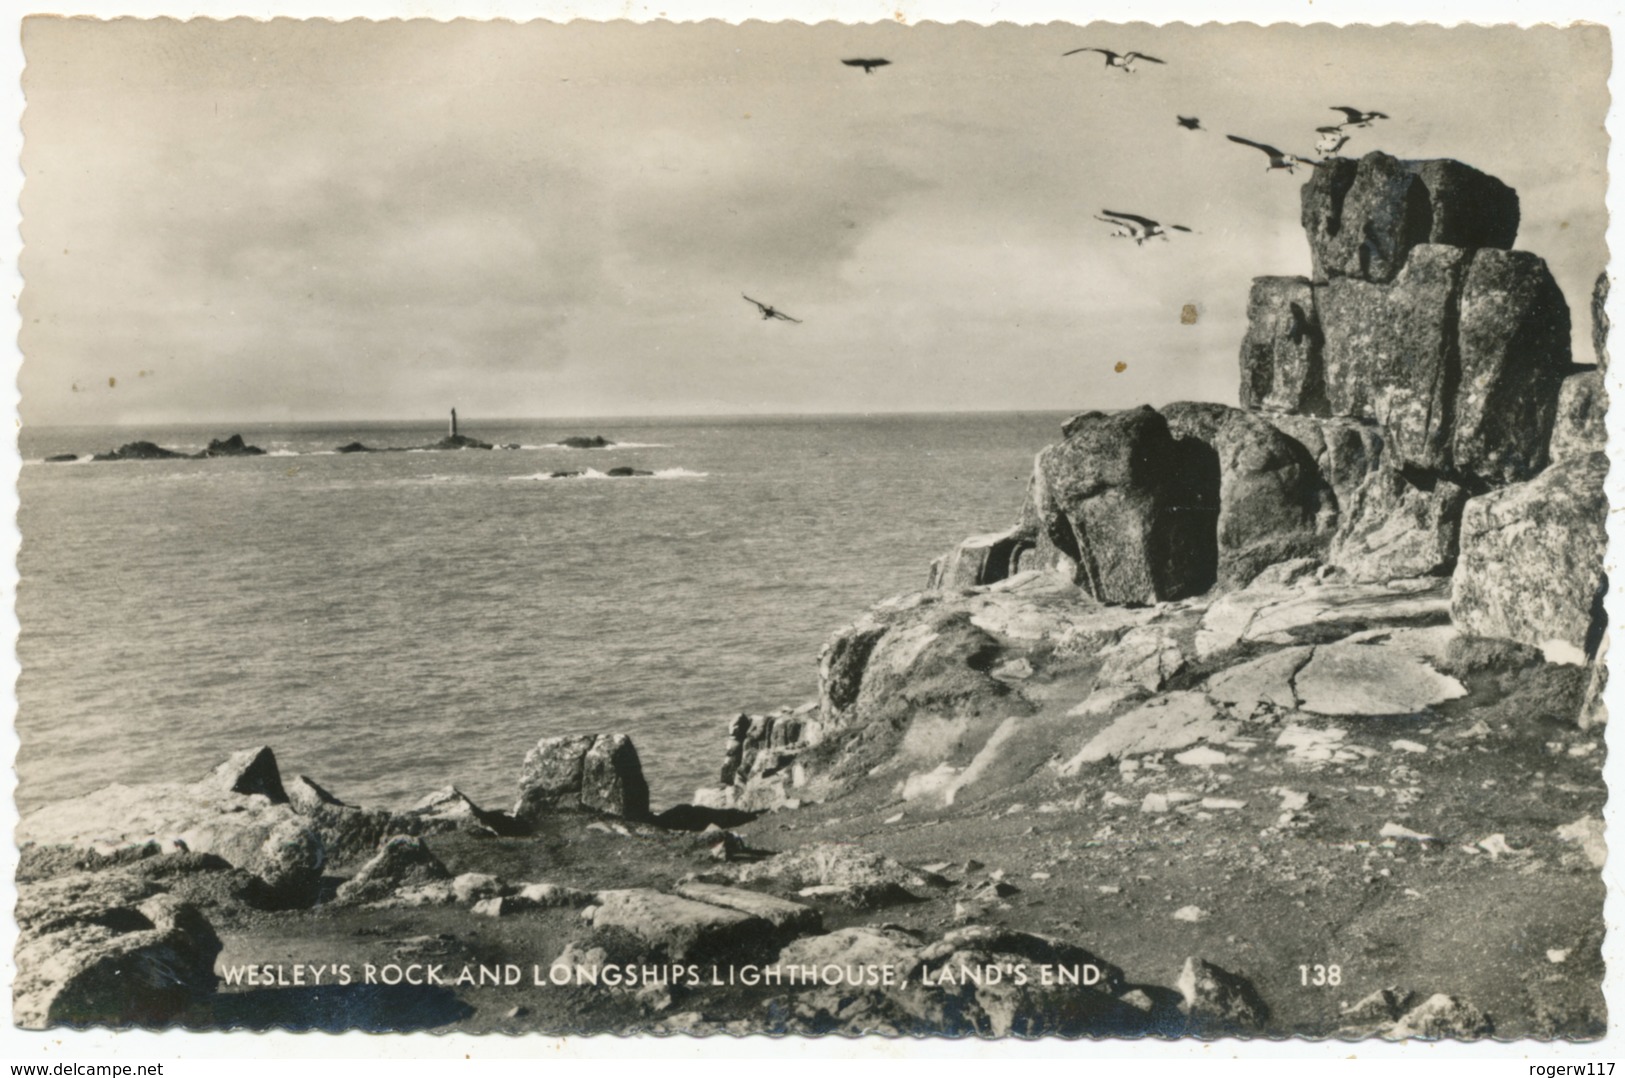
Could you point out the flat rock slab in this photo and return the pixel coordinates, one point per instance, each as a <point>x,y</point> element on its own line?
<point>789,918</point>
<point>683,928</point>
<point>1368,679</point>
<point>1267,679</point>
<point>1277,615</point>
<point>1175,721</point>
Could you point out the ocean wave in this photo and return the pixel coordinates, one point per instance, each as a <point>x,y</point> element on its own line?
<point>594,473</point>
<point>283,453</point>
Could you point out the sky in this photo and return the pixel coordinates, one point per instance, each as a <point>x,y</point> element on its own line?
<point>310,220</point>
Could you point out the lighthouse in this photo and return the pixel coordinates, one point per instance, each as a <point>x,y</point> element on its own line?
<point>454,422</point>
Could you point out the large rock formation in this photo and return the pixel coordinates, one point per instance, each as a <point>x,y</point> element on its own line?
<point>1118,512</point>
<point>1532,559</point>
<point>1363,218</point>
<point>592,772</point>
<point>238,812</point>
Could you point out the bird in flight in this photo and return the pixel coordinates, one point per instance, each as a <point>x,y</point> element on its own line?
<point>1331,139</point>
<point>1125,61</point>
<point>1356,118</point>
<point>1191,123</point>
<point>1133,226</point>
<point>770,312</point>
<point>1288,161</point>
<point>867,65</point>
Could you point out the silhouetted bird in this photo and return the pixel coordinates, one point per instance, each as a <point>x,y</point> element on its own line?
<point>1135,227</point>
<point>1288,161</point>
<point>1125,61</point>
<point>1191,123</point>
<point>769,312</point>
<point>867,65</point>
<point>1331,139</point>
<point>1356,118</point>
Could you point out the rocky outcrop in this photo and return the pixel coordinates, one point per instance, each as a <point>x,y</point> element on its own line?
<point>139,451</point>
<point>1119,512</point>
<point>580,441</point>
<point>1270,496</point>
<point>1282,369</point>
<point>590,772</point>
<point>402,862</point>
<point>1364,218</point>
<point>111,959</point>
<point>238,812</point>
<point>1582,413</point>
<point>231,447</point>
<point>983,559</point>
<point>1531,559</point>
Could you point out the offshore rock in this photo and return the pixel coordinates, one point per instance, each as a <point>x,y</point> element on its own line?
<point>251,771</point>
<point>1532,559</point>
<point>1108,499</point>
<point>1582,412</point>
<point>141,962</point>
<point>231,447</point>
<point>594,772</point>
<point>1363,218</point>
<point>1269,488</point>
<point>139,451</point>
<point>1281,365</point>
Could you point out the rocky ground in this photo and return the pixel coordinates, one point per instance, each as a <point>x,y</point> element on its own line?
<point>1156,797</point>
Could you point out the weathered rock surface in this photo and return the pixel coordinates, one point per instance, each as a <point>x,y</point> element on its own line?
<point>402,862</point>
<point>789,919</point>
<point>1531,559</point>
<point>1344,451</point>
<point>1363,218</point>
<point>681,929</point>
<point>1370,679</point>
<point>1215,997</point>
<point>1110,498</point>
<point>1401,525</point>
<point>248,830</point>
<point>1582,412</point>
<point>1513,347</point>
<point>1175,721</point>
<point>1269,488</point>
<point>1309,609</point>
<point>595,772</point>
<point>1391,352</point>
<point>1441,1016</point>
<point>132,961</point>
<point>1282,369</point>
<point>982,559</point>
<point>1599,320</point>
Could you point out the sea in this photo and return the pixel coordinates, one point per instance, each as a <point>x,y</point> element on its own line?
<point>392,623</point>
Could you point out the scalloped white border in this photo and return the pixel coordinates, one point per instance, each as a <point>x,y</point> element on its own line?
<point>408,1055</point>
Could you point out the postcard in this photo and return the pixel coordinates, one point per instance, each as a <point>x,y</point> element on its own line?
<point>833,528</point>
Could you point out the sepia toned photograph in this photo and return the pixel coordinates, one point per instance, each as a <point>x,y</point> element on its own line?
<point>893,529</point>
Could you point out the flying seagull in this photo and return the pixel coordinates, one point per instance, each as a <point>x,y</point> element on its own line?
<point>867,65</point>
<point>1124,61</point>
<point>1288,161</point>
<point>1356,118</point>
<point>769,312</point>
<point>1331,139</point>
<point>1190,123</point>
<point>1133,226</point>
